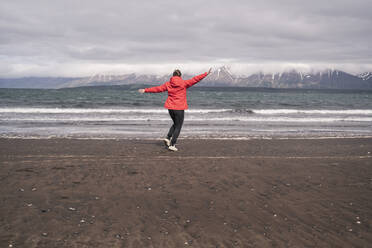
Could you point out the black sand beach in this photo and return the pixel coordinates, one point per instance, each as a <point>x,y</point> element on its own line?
<point>212,193</point>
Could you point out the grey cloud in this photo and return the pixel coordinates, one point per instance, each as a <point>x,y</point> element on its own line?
<point>165,32</point>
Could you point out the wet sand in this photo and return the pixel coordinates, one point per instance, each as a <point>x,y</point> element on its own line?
<point>212,193</point>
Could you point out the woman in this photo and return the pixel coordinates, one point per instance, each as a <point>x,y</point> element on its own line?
<point>176,102</point>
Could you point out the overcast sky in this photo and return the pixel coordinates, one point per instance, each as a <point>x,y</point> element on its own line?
<point>79,38</point>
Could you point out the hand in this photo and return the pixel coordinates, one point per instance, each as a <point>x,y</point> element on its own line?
<point>141,91</point>
<point>210,70</point>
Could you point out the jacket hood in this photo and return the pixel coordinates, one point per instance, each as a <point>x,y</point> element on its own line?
<point>175,81</point>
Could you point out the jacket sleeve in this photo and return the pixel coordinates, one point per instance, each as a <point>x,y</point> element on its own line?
<point>157,89</point>
<point>194,80</point>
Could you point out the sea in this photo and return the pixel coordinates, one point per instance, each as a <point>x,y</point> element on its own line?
<point>214,113</point>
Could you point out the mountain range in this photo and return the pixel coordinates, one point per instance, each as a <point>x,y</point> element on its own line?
<point>326,79</point>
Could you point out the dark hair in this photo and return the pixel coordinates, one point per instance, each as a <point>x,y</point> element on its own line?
<point>177,73</point>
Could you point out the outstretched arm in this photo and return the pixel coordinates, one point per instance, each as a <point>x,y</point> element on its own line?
<point>155,89</point>
<point>196,79</point>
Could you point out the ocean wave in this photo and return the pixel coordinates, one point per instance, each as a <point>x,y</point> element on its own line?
<point>314,111</point>
<point>189,119</point>
<point>191,111</point>
<point>76,110</point>
<point>99,110</point>
<point>282,119</point>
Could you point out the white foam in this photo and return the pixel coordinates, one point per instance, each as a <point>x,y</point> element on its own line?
<point>284,119</point>
<point>190,119</point>
<point>77,110</point>
<point>314,111</point>
<point>99,110</point>
<point>82,119</point>
<point>192,111</point>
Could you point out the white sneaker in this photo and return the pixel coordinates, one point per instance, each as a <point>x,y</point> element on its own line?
<point>172,148</point>
<point>167,142</point>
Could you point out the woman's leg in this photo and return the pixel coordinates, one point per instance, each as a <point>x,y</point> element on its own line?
<point>178,121</point>
<point>171,130</point>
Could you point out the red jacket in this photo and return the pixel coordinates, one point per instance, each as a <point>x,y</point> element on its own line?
<point>176,88</point>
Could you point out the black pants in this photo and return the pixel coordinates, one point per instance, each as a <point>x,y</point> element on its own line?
<point>177,117</point>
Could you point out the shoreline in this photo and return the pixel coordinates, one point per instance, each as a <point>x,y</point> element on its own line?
<point>211,193</point>
<point>189,138</point>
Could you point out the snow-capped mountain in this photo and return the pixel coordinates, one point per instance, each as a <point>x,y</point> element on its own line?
<point>221,76</point>
<point>365,76</point>
<point>326,79</point>
<point>106,80</point>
